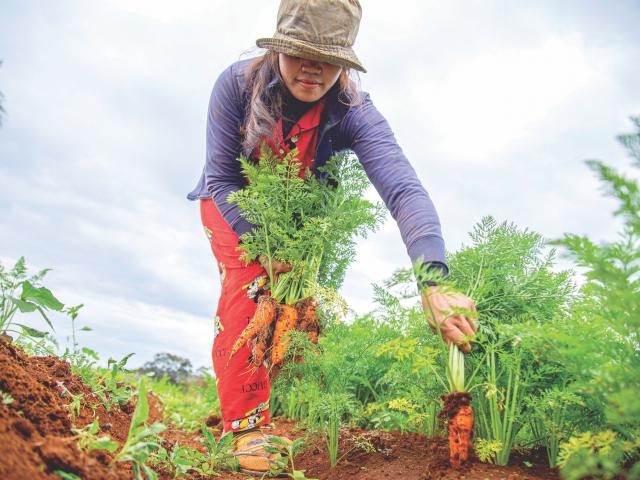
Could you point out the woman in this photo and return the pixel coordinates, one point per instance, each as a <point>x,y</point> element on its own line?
<point>299,94</point>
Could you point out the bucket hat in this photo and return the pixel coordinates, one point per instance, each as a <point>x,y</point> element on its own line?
<point>322,30</point>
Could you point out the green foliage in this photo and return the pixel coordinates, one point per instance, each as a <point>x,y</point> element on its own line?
<point>186,405</point>
<point>66,475</point>
<point>20,292</point>
<point>218,456</point>
<point>140,441</point>
<point>88,439</point>
<point>553,417</point>
<point>595,454</point>
<point>287,453</point>
<point>599,342</point>
<point>311,223</point>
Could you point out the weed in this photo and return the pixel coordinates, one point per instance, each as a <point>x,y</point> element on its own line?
<point>287,453</point>
<point>140,441</point>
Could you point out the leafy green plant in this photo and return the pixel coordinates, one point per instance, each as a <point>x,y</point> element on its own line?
<point>6,398</point>
<point>595,454</point>
<point>310,223</point>
<point>501,406</point>
<point>186,405</point>
<point>551,421</point>
<point>140,441</point>
<point>89,440</point>
<point>607,366</point>
<point>20,292</point>
<point>287,453</point>
<point>114,381</point>
<point>217,457</point>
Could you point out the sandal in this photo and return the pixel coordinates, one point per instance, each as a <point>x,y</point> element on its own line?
<point>251,455</point>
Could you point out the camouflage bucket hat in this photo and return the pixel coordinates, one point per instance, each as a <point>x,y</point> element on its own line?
<point>322,30</point>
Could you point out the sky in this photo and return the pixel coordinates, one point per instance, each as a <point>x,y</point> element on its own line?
<point>496,104</point>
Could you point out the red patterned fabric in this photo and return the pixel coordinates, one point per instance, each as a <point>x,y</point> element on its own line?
<point>244,391</point>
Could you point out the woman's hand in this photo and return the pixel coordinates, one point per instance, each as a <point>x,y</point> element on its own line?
<point>277,267</point>
<point>454,327</point>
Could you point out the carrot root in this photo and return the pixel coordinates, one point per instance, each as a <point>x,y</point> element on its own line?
<point>286,322</point>
<point>263,317</point>
<point>457,408</point>
<point>308,318</point>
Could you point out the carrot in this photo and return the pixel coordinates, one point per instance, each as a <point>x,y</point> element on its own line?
<point>308,318</point>
<point>263,342</point>
<point>286,322</point>
<point>457,407</point>
<point>262,318</point>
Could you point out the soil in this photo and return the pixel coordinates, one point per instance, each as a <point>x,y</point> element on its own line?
<point>36,436</point>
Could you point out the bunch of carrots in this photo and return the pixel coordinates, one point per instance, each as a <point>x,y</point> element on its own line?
<point>308,221</point>
<point>270,326</point>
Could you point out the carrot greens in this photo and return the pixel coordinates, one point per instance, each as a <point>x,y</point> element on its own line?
<point>310,223</point>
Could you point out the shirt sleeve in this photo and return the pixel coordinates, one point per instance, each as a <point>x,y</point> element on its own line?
<point>222,168</point>
<point>369,135</point>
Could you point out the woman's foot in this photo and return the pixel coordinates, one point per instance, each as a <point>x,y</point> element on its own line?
<point>251,454</point>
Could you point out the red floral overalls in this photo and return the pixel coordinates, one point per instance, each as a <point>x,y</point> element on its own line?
<point>243,391</point>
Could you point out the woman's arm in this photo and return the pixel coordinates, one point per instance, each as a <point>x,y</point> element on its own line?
<point>369,135</point>
<point>222,168</point>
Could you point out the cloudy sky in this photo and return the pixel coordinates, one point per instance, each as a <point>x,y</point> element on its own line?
<point>495,103</point>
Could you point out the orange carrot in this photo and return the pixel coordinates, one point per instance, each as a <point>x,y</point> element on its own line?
<point>263,317</point>
<point>286,322</point>
<point>457,406</point>
<point>308,318</point>
<point>263,342</point>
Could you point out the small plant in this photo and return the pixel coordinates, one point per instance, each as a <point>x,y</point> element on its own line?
<point>287,453</point>
<point>487,450</point>
<point>217,457</point>
<point>6,398</point>
<point>140,442</point>
<point>218,453</point>
<point>550,419</point>
<point>114,381</point>
<point>20,292</point>
<point>88,439</point>
<point>75,406</point>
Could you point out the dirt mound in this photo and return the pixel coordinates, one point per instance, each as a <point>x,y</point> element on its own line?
<point>35,427</point>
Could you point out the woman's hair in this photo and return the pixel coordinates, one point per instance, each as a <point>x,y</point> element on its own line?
<point>265,105</point>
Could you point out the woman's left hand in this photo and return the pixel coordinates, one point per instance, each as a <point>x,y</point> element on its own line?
<point>454,327</point>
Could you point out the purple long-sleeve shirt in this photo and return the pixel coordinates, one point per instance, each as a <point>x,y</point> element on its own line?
<point>360,128</point>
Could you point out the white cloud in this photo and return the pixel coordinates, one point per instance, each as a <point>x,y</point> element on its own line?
<point>485,104</point>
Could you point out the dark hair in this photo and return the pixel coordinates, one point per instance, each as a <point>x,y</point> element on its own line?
<point>264,106</point>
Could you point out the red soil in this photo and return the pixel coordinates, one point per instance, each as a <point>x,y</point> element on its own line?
<point>36,437</point>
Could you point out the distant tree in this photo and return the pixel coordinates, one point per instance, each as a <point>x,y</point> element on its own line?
<point>177,368</point>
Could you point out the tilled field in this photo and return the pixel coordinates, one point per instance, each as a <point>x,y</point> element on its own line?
<point>36,437</point>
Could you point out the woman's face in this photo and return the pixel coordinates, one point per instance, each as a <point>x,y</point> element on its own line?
<point>307,80</point>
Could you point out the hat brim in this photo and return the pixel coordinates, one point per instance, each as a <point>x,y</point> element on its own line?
<point>334,54</point>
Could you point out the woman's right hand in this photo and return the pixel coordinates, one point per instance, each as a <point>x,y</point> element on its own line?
<point>277,267</point>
